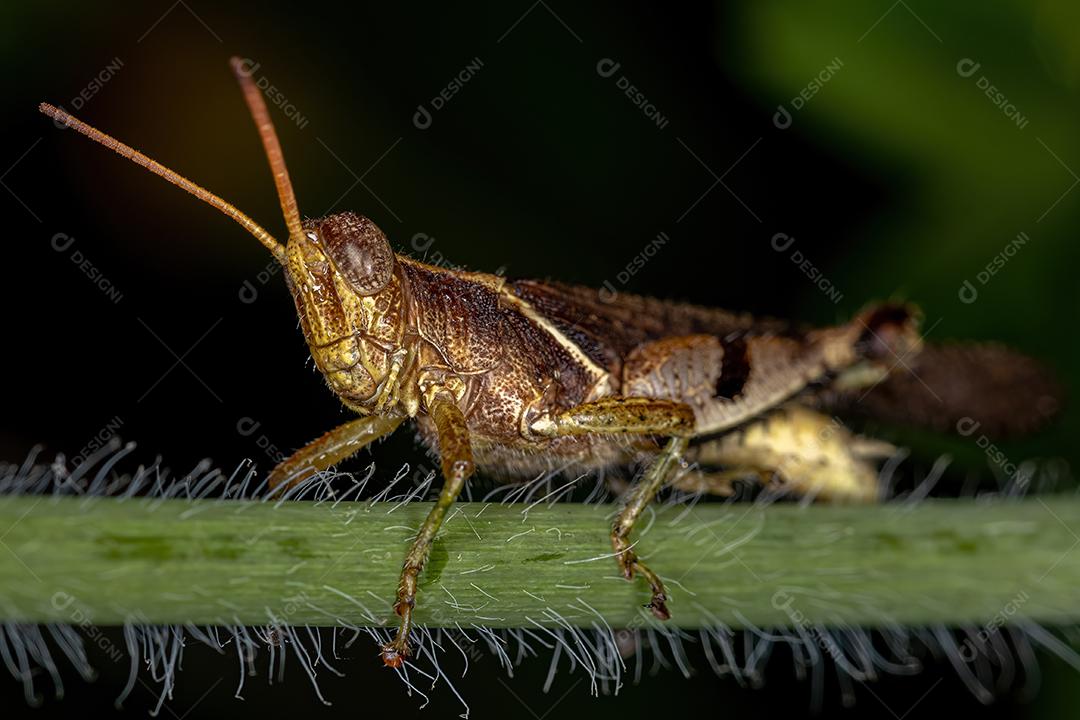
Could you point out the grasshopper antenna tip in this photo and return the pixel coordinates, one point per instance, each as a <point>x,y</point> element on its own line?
<point>243,69</point>
<point>64,119</point>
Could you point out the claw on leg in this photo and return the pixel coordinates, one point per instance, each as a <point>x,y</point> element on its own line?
<point>639,498</point>
<point>395,652</point>
<point>629,564</point>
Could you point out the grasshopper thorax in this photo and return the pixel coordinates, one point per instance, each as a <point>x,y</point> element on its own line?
<point>343,277</point>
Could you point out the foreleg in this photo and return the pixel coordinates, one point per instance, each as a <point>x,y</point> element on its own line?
<point>457,466</point>
<point>339,444</point>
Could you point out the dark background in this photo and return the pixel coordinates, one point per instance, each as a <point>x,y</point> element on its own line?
<point>900,177</point>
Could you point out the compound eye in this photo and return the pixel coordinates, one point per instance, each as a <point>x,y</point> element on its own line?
<point>359,251</point>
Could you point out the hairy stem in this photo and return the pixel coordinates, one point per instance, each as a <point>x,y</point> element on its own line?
<point>107,561</point>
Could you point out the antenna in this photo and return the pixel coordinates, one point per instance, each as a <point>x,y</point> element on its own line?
<point>271,146</point>
<point>261,116</point>
<point>175,178</point>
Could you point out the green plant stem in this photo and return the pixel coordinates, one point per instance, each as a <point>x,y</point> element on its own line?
<point>212,562</point>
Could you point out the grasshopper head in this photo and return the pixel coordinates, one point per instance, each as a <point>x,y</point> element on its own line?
<point>341,272</point>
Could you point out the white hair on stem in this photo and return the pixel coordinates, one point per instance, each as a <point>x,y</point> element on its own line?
<point>987,663</point>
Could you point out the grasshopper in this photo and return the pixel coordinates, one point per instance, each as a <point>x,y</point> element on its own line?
<point>522,377</point>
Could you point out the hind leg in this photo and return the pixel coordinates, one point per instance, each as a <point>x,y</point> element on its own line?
<point>632,416</point>
<point>806,452</point>
<point>718,482</point>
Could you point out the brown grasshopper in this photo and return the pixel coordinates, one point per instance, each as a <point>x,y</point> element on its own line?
<point>524,377</point>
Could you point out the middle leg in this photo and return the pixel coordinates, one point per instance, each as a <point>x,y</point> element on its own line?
<point>635,416</point>
<point>638,498</point>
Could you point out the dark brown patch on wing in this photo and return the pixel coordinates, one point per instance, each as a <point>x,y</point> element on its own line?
<point>886,329</point>
<point>734,370</point>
